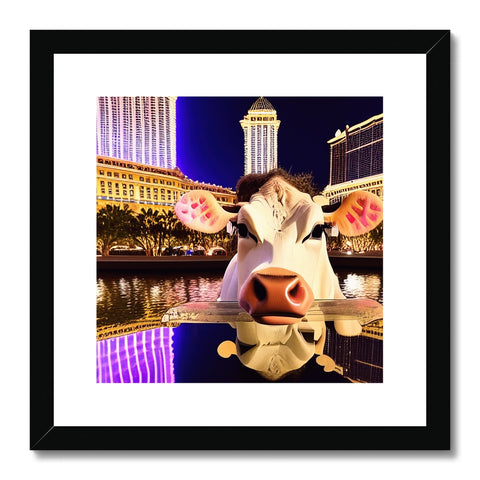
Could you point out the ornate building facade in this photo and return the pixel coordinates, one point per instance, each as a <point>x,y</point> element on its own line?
<point>138,129</point>
<point>121,182</point>
<point>260,128</point>
<point>356,160</point>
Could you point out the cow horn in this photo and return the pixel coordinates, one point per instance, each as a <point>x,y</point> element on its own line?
<point>200,210</point>
<point>320,200</point>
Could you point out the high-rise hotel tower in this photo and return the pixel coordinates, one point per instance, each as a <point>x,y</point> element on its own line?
<point>356,160</point>
<point>138,129</point>
<point>260,128</point>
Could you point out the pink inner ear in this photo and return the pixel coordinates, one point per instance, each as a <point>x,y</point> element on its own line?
<point>199,210</point>
<point>350,218</point>
<point>359,213</point>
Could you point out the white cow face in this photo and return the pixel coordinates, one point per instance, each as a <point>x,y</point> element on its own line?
<point>282,262</point>
<point>275,350</point>
<point>282,247</point>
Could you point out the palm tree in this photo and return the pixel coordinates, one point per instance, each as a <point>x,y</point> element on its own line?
<point>147,230</point>
<point>113,224</point>
<point>170,228</point>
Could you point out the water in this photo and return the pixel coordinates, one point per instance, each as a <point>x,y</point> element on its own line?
<point>132,302</point>
<point>133,347</point>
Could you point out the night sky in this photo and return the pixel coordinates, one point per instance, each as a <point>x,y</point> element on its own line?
<point>210,138</point>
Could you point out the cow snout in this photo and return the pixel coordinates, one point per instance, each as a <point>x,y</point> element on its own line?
<point>276,296</point>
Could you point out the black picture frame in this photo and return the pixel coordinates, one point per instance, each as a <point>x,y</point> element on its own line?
<point>45,435</point>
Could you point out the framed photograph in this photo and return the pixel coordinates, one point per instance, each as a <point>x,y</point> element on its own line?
<point>80,398</point>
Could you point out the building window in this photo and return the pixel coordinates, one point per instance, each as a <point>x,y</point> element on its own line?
<point>124,176</point>
<point>109,174</point>
<point>155,180</point>
<point>102,183</point>
<point>130,177</point>
<point>101,172</point>
<point>116,175</point>
<point>142,179</point>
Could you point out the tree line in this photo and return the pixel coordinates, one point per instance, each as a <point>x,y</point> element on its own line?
<point>152,230</point>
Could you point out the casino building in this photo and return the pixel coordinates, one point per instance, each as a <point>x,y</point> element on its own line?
<point>138,129</point>
<point>136,155</point>
<point>356,160</point>
<point>260,128</point>
<point>121,182</point>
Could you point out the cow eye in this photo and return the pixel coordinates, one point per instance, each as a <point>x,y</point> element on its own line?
<point>244,233</point>
<point>315,233</point>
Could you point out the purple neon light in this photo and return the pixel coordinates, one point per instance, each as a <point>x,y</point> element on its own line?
<point>142,357</point>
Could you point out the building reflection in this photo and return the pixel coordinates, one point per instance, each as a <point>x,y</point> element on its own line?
<point>133,346</point>
<point>148,356</point>
<point>360,358</point>
<point>129,303</point>
<point>141,357</point>
<point>355,285</point>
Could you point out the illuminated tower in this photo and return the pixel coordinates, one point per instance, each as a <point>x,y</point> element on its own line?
<point>138,129</point>
<point>260,128</point>
<point>356,160</point>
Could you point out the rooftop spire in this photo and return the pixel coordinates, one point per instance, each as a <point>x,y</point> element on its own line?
<point>262,104</point>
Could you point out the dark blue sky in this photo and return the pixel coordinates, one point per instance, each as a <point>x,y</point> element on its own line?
<point>210,138</point>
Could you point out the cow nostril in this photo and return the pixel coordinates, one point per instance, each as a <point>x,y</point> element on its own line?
<point>259,290</point>
<point>295,292</point>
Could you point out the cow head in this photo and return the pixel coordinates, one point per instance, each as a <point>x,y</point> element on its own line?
<point>276,350</point>
<point>282,264</point>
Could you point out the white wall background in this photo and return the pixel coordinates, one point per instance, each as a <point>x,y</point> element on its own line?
<point>19,17</point>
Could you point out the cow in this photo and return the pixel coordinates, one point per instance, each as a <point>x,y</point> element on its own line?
<point>277,350</point>
<point>281,264</point>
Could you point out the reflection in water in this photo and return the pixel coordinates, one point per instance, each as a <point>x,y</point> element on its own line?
<point>130,303</point>
<point>133,347</point>
<point>275,350</point>
<point>355,285</point>
<point>143,357</point>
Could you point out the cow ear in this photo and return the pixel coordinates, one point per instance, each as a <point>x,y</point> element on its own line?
<point>226,349</point>
<point>199,210</point>
<point>359,213</point>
